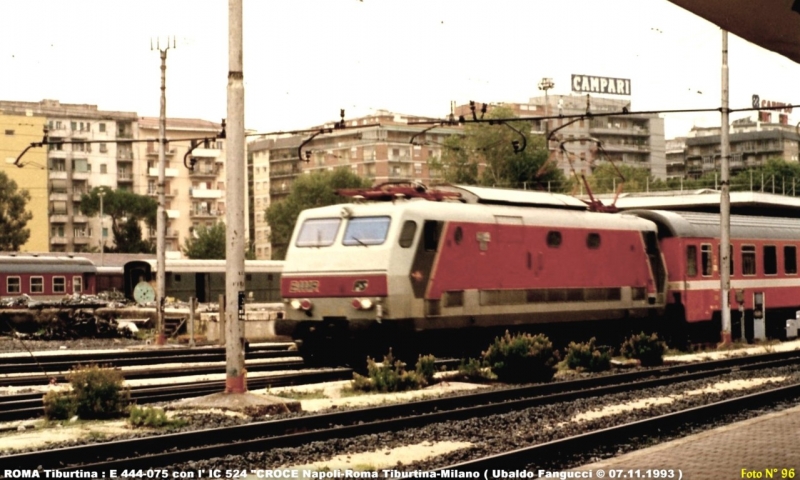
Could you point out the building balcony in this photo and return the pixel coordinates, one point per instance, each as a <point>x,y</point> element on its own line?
<point>57,154</point>
<point>124,156</point>
<point>124,134</point>
<point>57,175</point>
<point>59,197</point>
<point>611,147</point>
<point>58,218</point>
<point>173,213</point>
<point>283,174</point>
<point>168,172</point>
<point>80,218</point>
<point>167,193</point>
<point>204,193</point>
<point>171,234</point>
<point>203,172</point>
<point>635,131</point>
<point>205,214</point>
<point>81,240</point>
<point>169,151</point>
<point>80,134</point>
<point>80,175</point>
<point>206,152</point>
<point>58,240</point>
<point>124,177</point>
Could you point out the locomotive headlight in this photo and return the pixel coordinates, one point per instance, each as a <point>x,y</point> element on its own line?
<point>362,303</point>
<point>295,304</point>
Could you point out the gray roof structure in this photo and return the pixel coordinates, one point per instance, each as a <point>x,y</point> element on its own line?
<point>706,225</point>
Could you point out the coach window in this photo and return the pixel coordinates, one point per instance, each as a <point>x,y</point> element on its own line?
<point>790,260</point>
<point>318,232</point>
<point>770,260</point>
<point>748,260</point>
<point>407,233</point>
<point>37,284</point>
<point>553,239</point>
<point>593,241</point>
<point>706,262</point>
<point>77,285</point>
<point>366,231</point>
<point>13,285</point>
<point>691,260</point>
<point>59,285</point>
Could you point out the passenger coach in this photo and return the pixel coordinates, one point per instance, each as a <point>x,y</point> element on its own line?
<point>46,276</point>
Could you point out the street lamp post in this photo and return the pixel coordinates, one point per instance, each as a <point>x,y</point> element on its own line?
<point>102,194</point>
<point>546,84</point>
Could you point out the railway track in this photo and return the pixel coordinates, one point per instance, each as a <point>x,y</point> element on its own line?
<point>161,451</point>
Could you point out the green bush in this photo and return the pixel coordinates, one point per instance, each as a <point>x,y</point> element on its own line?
<point>98,392</point>
<point>59,405</point>
<point>474,369</point>
<point>587,357</point>
<point>152,417</point>
<point>648,349</point>
<point>521,358</point>
<point>391,375</point>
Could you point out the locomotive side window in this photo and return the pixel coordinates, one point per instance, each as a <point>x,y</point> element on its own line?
<point>59,285</point>
<point>77,285</point>
<point>407,233</point>
<point>366,231</point>
<point>593,241</point>
<point>790,259</point>
<point>430,231</point>
<point>318,232</point>
<point>706,262</point>
<point>37,284</point>
<point>691,260</point>
<point>553,239</point>
<point>13,285</point>
<point>770,260</point>
<point>748,259</point>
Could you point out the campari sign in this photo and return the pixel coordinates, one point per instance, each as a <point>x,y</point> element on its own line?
<point>604,85</point>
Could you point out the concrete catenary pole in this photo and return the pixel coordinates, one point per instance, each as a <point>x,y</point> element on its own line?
<point>101,194</point>
<point>161,227</point>
<point>725,203</point>
<point>235,379</point>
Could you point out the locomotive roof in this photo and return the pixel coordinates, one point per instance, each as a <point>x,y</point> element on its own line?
<point>505,196</point>
<point>706,225</point>
<point>44,264</point>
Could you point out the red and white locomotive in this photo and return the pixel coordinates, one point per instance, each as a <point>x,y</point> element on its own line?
<point>390,272</point>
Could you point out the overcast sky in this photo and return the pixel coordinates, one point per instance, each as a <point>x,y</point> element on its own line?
<point>306,59</point>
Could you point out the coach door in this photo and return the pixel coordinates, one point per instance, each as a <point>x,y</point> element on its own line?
<point>759,316</point>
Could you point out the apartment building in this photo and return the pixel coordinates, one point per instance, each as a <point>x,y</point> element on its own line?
<point>193,197</point>
<point>752,144</point>
<point>378,147</point>
<point>676,157</point>
<point>16,133</point>
<point>627,139</point>
<point>75,168</point>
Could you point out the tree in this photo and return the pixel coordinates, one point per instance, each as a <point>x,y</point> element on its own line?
<point>605,179</point>
<point>206,243</point>
<point>486,155</point>
<point>13,217</point>
<point>316,189</point>
<point>126,210</point>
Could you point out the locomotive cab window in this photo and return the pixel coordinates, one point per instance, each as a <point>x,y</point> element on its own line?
<point>706,260</point>
<point>318,232</point>
<point>407,233</point>
<point>748,259</point>
<point>59,285</point>
<point>553,239</point>
<point>691,260</point>
<point>366,231</point>
<point>13,285</point>
<point>790,260</point>
<point>430,232</point>
<point>37,284</point>
<point>770,260</point>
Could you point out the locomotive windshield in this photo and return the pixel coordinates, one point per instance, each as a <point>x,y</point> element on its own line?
<point>366,231</point>
<point>318,232</point>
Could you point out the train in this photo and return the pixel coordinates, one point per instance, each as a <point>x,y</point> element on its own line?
<point>47,276</point>
<point>442,267</point>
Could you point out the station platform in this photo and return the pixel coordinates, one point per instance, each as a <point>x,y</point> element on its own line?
<point>767,446</point>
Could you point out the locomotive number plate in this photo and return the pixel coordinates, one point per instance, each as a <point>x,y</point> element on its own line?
<point>304,286</point>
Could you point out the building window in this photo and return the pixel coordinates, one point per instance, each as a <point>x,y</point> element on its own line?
<point>13,285</point>
<point>102,127</point>
<point>103,168</point>
<point>59,285</point>
<point>691,260</point>
<point>37,284</point>
<point>790,260</point>
<point>103,147</point>
<point>748,260</point>
<point>9,132</point>
<point>77,284</point>
<point>73,126</point>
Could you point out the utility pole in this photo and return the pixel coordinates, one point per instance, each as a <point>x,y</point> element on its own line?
<point>235,373</point>
<point>101,194</point>
<point>161,227</point>
<point>725,204</point>
<point>546,84</point>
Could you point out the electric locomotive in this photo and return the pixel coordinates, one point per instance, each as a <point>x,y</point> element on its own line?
<point>427,264</point>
